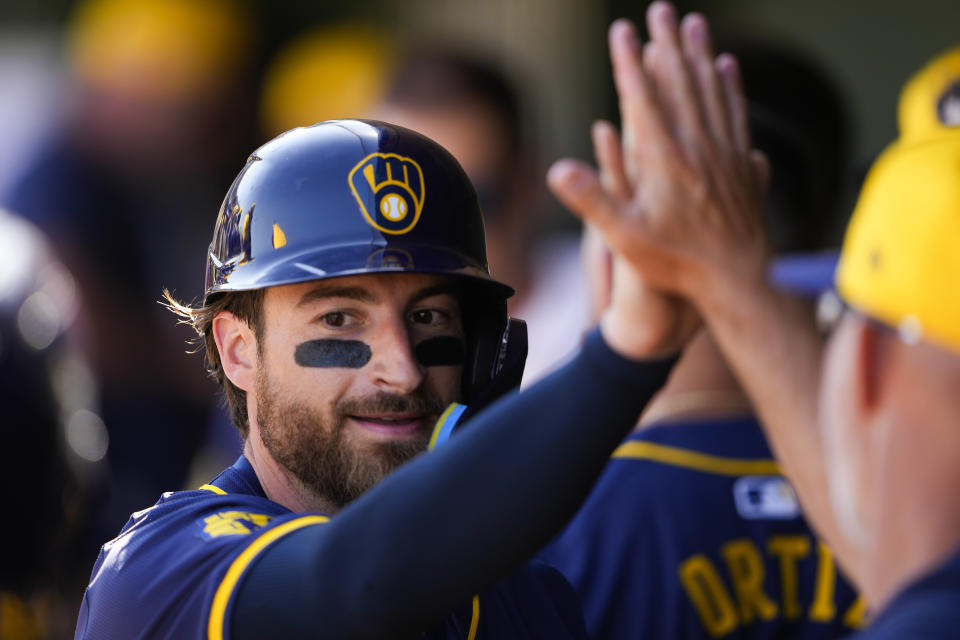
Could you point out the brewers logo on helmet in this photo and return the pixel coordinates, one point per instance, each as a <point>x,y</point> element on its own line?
<point>394,184</point>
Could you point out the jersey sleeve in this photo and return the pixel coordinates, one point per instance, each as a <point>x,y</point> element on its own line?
<point>183,558</point>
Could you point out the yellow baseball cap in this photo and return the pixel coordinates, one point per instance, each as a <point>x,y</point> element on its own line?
<point>900,263</point>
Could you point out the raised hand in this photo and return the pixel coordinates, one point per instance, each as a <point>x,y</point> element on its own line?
<point>679,197</point>
<point>637,320</point>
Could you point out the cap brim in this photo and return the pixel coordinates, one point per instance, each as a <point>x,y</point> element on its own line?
<point>807,274</point>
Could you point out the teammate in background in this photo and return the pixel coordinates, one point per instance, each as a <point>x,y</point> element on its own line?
<point>53,441</point>
<point>692,531</point>
<point>348,310</point>
<point>877,472</point>
<point>472,109</point>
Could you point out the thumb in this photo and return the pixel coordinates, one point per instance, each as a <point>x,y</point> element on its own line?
<point>578,187</point>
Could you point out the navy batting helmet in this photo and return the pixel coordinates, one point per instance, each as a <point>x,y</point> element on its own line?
<point>348,197</point>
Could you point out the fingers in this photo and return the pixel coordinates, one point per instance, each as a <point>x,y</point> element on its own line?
<point>644,135</point>
<point>674,82</point>
<point>578,187</point>
<point>698,51</point>
<point>736,101</point>
<point>609,156</point>
<point>704,94</point>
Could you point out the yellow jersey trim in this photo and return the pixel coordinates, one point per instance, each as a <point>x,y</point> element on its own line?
<point>697,461</point>
<point>439,426</point>
<point>218,610</point>
<point>210,487</point>
<point>474,619</point>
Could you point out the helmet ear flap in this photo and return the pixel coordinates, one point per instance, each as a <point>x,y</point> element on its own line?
<point>496,359</point>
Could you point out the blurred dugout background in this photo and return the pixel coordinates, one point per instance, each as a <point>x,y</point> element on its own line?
<point>123,165</point>
<point>554,49</point>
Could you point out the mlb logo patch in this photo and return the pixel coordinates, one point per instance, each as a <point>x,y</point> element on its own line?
<point>765,498</point>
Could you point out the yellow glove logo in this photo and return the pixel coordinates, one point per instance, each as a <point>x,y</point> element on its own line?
<point>390,191</point>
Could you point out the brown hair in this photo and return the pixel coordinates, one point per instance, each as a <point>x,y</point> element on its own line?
<point>246,306</point>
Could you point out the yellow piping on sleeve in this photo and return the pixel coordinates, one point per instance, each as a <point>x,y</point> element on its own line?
<point>474,619</point>
<point>218,610</point>
<point>697,461</point>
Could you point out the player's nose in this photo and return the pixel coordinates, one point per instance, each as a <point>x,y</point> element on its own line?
<point>393,366</point>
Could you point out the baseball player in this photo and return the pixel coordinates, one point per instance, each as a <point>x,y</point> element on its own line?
<point>348,312</point>
<point>692,531</point>
<point>877,477</point>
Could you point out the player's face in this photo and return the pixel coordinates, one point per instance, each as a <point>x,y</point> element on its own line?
<point>838,429</point>
<point>354,373</point>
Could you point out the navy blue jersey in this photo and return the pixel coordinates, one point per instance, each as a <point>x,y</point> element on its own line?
<point>692,532</point>
<point>929,608</point>
<point>173,570</point>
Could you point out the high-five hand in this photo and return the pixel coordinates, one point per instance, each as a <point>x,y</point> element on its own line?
<point>682,193</point>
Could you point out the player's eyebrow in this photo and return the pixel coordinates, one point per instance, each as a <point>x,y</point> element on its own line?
<point>324,292</point>
<point>444,288</point>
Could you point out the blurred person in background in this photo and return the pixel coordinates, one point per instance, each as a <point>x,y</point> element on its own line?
<point>692,531</point>
<point>157,115</point>
<point>335,71</point>
<point>472,108</point>
<point>54,441</point>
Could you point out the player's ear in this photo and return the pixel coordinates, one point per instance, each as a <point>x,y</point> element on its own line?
<point>873,354</point>
<point>237,345</point>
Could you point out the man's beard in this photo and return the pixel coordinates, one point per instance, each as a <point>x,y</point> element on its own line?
<point>316,450</point>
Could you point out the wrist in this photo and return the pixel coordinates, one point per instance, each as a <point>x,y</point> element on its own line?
<point>738,304</point>
<point>719,290</point>
<point>628,337</point>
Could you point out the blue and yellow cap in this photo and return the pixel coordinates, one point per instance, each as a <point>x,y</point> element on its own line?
<point>899,262</point>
